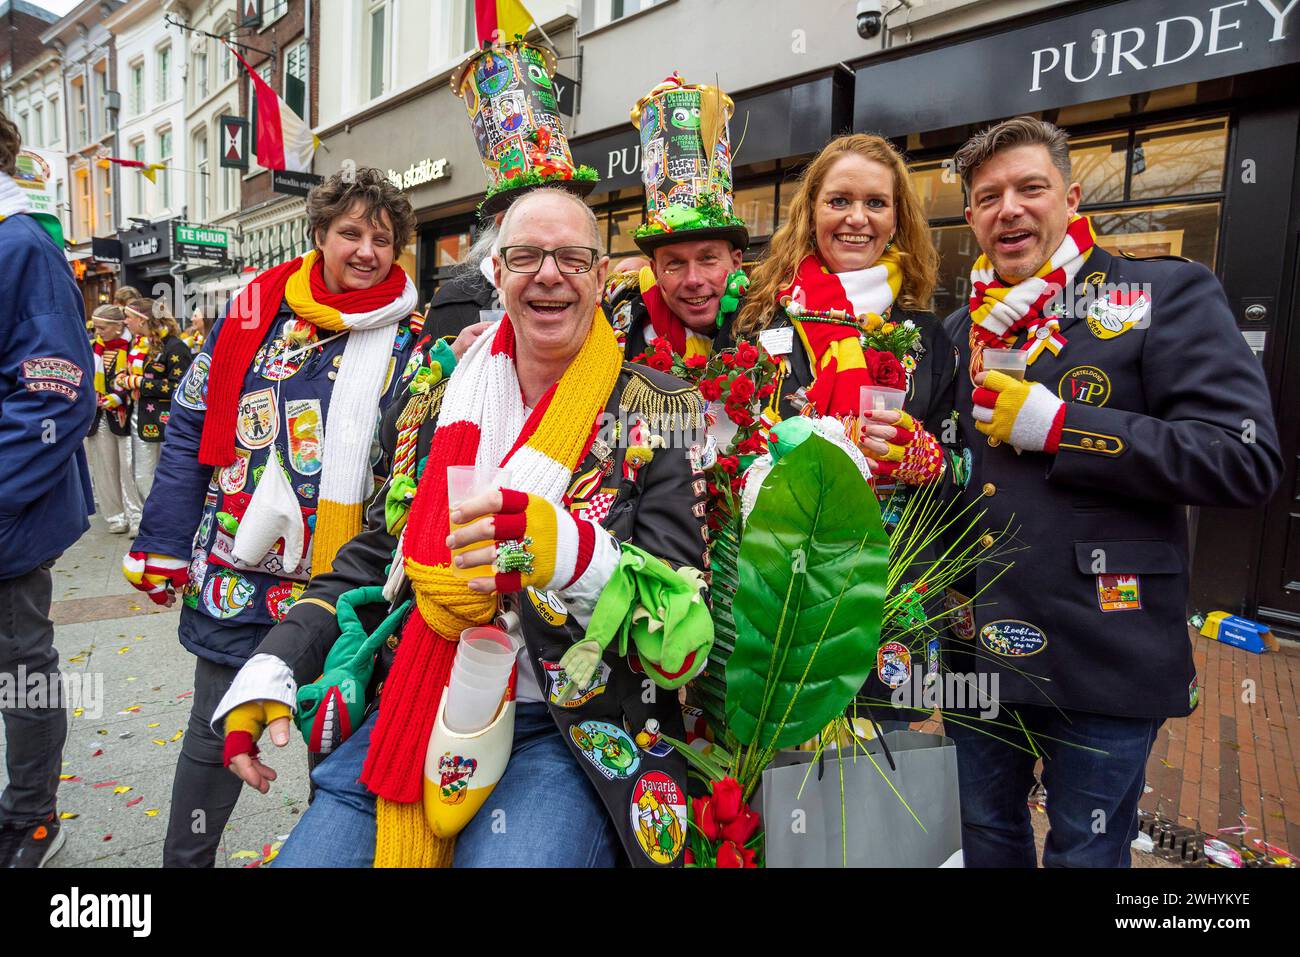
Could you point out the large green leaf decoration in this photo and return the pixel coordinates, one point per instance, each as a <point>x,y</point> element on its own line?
<point>709,690</point>
<point>812,577</point>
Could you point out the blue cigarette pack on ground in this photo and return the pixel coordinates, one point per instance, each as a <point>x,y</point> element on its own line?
<point>1239,632</point>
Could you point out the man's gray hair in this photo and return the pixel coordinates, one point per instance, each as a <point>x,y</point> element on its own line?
<point>533,194</point>
<point>468,268</point>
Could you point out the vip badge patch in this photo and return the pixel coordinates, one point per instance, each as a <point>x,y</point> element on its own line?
<point>1012,638</point>
<point>893,664</point>
<point>233,477</point>
<point>658,815</point>
<point>1119,593</point>
<point>226,593</point>
<point>1117,312</point>
<point>608,748</point>
<point>303,420</point>
<point>1086,385</point>
<point>257,424</point>
<point>558,678</point>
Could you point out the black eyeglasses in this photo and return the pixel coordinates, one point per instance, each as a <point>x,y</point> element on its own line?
<point>569,260</point>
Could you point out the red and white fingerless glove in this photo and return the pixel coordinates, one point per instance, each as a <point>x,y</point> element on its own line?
<point>1025,414</point>
<point>152,573</point>
<point>125,381</point>
<point>542,545</point>
<point>914,456</point>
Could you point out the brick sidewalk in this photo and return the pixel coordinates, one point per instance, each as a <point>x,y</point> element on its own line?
<point>1231,764</point>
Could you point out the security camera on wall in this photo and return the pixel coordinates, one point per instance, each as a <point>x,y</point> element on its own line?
<point>870,16</point>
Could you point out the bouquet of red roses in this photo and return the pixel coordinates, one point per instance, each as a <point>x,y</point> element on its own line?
<point>724,830</point>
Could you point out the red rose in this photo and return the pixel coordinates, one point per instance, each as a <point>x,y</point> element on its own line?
<point>746,355</point>
<point>709,389</point>
<point>702,810</point>
<point>766,390</point>
<point>728,464</point>
<point>727,359</point>
<point>731,854</point>
<point>886,370</point>
<point>742,389</point>
<point>739,414</point>
<point>696,362</point>
<point>726,800</point>
<point>689,858</point>
<point>742,828</point>
<point>661,361</point>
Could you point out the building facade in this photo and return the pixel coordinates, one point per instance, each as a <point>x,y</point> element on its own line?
<point>91,112</point>
<point>281,47</point>
<point>33,96</point>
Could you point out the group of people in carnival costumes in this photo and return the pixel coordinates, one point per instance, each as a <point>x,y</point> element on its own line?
<point>529,390</point>
<point>140,357</point>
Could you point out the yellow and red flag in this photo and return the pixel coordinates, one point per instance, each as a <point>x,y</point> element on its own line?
<point>501,20</point>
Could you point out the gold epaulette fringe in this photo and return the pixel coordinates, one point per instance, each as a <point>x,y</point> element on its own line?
<point>680,408</point>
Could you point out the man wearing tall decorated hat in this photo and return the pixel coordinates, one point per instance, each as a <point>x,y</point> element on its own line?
<point>1106,395</point>
<point>579,535</point>
<point>268,461</point>
<point>691,235</point>
<point>514,115</point>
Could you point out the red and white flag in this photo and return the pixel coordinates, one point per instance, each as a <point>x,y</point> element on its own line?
<point>284,140</point>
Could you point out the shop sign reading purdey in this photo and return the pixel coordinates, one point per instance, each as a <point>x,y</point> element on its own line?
<point>1118,49</point>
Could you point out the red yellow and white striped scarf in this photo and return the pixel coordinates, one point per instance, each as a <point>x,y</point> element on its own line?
<point>482,422</point>
<point>106,369</point>
<point>827,309</point>
<point>1000,312</point>
<point>369,316</point>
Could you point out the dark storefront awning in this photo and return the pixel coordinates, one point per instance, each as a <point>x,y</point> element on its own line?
<point>1091,52</point>
<point>785,121</point>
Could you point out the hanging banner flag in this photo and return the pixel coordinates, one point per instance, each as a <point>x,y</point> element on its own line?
<point>148,170</point>
<point>284,141</point>
<point>234,142</point>
<point>500,20</point>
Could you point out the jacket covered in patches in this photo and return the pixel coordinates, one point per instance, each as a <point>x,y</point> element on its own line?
<point>1166,407</point>
<point>163,371</point>
<point>47,400</point>
<point>193,509</point>
<point>660,508</point>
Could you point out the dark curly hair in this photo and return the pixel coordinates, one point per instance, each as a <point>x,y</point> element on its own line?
<point>10,143</point>
<point>337,195</point>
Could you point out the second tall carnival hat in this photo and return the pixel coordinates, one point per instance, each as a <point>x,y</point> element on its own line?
<point>686,165</point>
<point>515,118</point>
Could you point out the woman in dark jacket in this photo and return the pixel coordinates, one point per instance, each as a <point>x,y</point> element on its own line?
<point>843,301</point>
<point>157,360</point>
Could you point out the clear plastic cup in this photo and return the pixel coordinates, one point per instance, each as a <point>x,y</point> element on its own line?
<point>471,706</point>
<point>477,669</point>
<point>488,647</point>
<point>1012,362</point>
<point>879,398</point>
<point>464,482</point>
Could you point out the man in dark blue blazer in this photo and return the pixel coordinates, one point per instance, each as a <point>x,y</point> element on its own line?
<point>1139,397</point>
<point>47,403</point>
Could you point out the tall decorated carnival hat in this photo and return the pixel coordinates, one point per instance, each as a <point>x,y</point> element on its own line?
<point>515,118</point>
<point>686,165</point>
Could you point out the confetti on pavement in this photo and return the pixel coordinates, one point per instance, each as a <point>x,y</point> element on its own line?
<point>68,816</point>
<point>121,789</point>
<point>152,812</point>
<point>124,649</point>
<point>134,801</point>
<point>178,735</point>
<point>153,724</point>
<point>183,694</point>
<point>159,741</point>
<point>105,784</point>
<point>68,777</point>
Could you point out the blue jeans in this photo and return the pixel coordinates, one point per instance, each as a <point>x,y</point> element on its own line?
<point>543,813</point>
<point>1094,769</point>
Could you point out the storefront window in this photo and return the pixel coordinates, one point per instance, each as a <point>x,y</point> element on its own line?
<point>451,249</point>
<point>756,205</point>
<point>622,223</point>
<point>1191,231</point>
<point>1182,159</point>
<point>939,189</point>
<point>1097,165</point>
